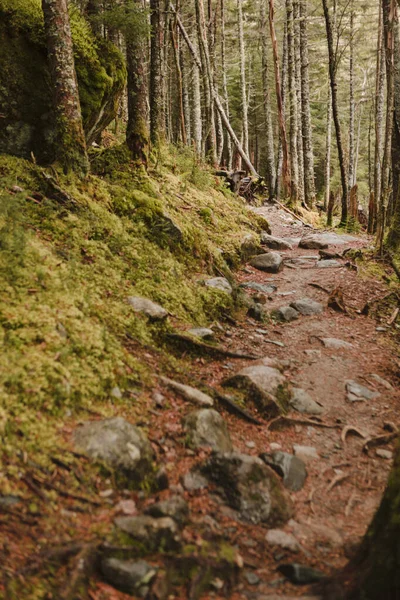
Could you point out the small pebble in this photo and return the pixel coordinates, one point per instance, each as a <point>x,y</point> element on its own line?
<point>250,444</point>
<point>252,578</point>
<point>387,454</point>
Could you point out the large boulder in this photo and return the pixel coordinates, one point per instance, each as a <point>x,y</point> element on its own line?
<point>27,123</point>
<point>250,487</point>
<point>206,427</point>
<point>119,445</point>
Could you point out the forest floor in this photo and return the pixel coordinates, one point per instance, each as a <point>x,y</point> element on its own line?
<point>344,483</point>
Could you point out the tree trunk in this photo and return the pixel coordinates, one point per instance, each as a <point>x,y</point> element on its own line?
<point>197,124</point>
<point>71,144</point>
<point>300,158</point>
<point>225,81</point>
<point>286,178</point>
<point>309,184</point>
<point>186,84</point>
<point>328,149</point>
<point>294,167</point>
<point>157,125</point>
<point>352,105</point>
<point>245,120</point>
<point>175,45</point>
<point>335,111</point>
<point>270,157</point>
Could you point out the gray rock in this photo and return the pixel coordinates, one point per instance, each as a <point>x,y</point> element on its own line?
<point>383,382</point>
<point>153,311</point>
<point>258,313</point>
<point>271,262</point>
<point>287,541</point>
<point>357,392</point>
<point>7,500</point>
<point>201,332</point>
<point>285,313</point>
<point>335,344</point>
<point>259,287</point>
<point>164,226</point>
<point>250,246</point>
<point>387,454</point>
<point>307,307</point>
<point>119,445</point>
<point>252,578</point>
<point>206,427</point>
<point>219,283</point>
<point>328,264</point>
<point>305,452</point>
<point>189,393</point>
<point>313,242</point>
<point>265,386</point>
<point>303,403</point>
<point>175,507</point>
<point>129,576</point>
<point>153,534</point>
<point>275,243</point>
<point>194,481</point>
<point>291,468</point>
<point>249,487</point>
<point>300,574</point>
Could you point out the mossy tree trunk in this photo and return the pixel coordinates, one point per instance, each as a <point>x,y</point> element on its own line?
<point>378,562</point>
<point>157,116</point>
<point>137,132</point>
<point>71,143</point>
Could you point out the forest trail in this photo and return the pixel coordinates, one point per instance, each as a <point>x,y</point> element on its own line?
<point>344,483</point>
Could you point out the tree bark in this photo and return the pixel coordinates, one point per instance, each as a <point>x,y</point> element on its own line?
<point>294,167</point>
<point>300,158</point>
<point>270,157</point>
<point>351,104</point>
<point>225,81</point>
<point>243,87</point>
<point>71,144</point>
<point>157,113</point>
<point>335,111</point>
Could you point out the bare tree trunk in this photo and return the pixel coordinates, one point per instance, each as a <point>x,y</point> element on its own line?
<point>224,80</point>
<point>309,184</point>
<point>328,150</point>
<point>137,132</point>
<point>360,115</point>
<point>186,84</point>
<point>286,178</point>
<point>270,158</point>
<point>197,124</point>
<point>352,105</point>
<point>245,120</point>
<point>294,167</point>
<point>157,126</point>
<point>300,157</point>
<point>175,44</point>
<point>389,14</point>
<point>71,144</point>
<point>335,111</point>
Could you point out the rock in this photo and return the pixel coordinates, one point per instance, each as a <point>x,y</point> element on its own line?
<point>7,500</point>
<point>250,445</point>
<point>17,189</point>
<point>175,507</point>
<point>158,399</point>
<point>265,386</point>
<point>259,287</point>
<point>161,479</point>
<point>335,344</point>
<point>219,283</point>
<point>328,264</point>
<point>382,381</point>
<point>206,427</point>
<point>275,243</point>
<point>163,226</point>
<point>153,534</point>
<point>291,468</point>
<point>154,311</point>
<point>303,403</point>
<point>118,444</point>
<point>189,393</point>
<point>387,454</point>
<point>305,452</point>
<point>307,307</point>
<point>313,242</point>
<point>249,487</point>
<point>300,574</point>
<point>202,332</point>
<point>358,393</point>
<point>313,353</point>
<point>285,313</point>
<point>258,313</point>
<point>252,578</point>
<point>275,446</point>
<point>271,262</point>
<point>287,541</point>
<point>194,481</point>
<point>250,246</point>
<point>129,576</point>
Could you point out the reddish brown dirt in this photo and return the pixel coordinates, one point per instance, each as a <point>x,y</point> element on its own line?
<point>329,519</point>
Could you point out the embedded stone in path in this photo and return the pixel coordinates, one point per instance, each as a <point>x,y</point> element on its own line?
<point>201,332</point>
<point>275,243</point>
<point>303,403</point>
<point>189,393</point>
<point>335,344</point>
<point>175,507</point>
<point>291,468</point>
<point>286,541</point>
<point>300,574</point>
<point>206,427</point>
<point>382,453</point>
<point>119,445</point>
<point>129,576</point>
<point>219,283</point>
<point>307,306</point>
<point>153,534</point>
<point>313,242</point>
<point>259,287</point>
<point>285,314</point>
<point>265,386</point>
<point>147,307</point>
<point>328,264</point>
<point>357,392</point>
<point>305,452</point>
<point>271,262</point>
<point>250,487</point>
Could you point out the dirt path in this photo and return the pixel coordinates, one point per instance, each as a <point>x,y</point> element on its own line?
<point>344,484</point>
